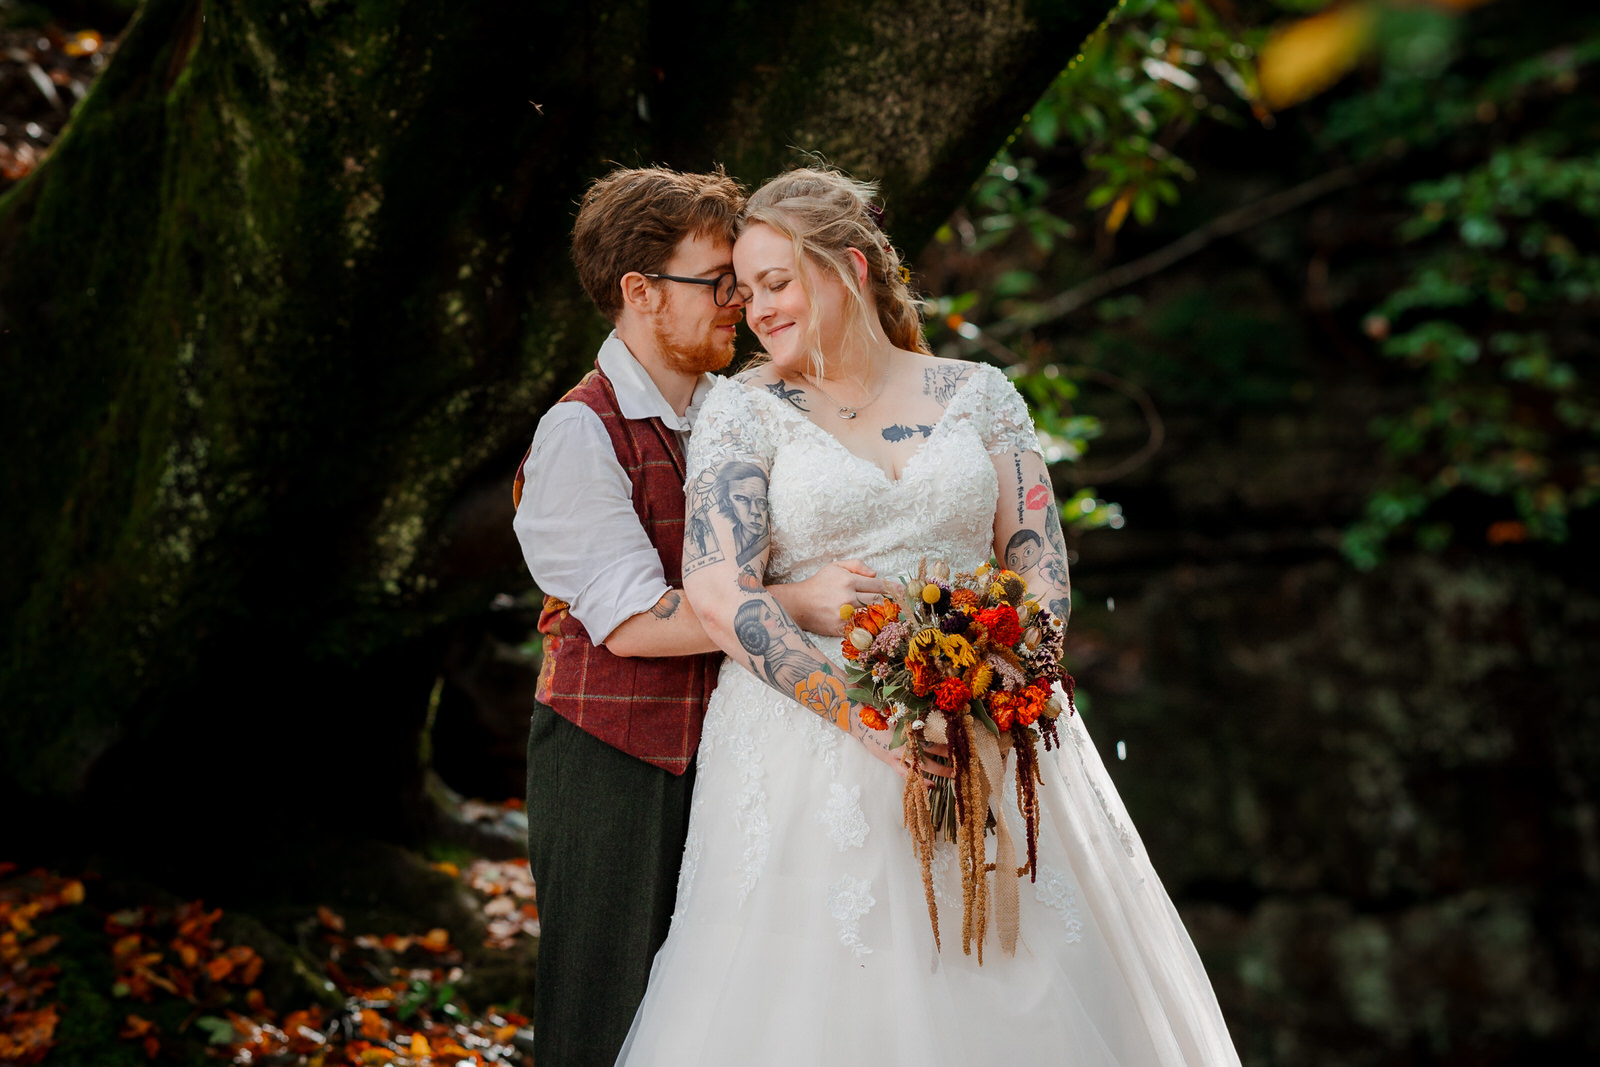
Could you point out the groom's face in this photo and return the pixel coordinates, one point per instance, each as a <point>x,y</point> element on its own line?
<point>693,334</point>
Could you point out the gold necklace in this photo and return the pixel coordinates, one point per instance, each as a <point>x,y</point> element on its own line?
<point>846,411</point>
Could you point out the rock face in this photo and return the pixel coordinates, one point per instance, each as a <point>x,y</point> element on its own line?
<point>1373,795</point>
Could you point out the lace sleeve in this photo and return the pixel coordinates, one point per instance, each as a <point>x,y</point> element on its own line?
<point>728,429</point>
<point>1006,424</point>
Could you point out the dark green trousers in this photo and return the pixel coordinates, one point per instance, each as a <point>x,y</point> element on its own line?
<point>605,839</point>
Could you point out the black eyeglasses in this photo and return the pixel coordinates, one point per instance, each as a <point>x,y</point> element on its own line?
<point>723,286</point>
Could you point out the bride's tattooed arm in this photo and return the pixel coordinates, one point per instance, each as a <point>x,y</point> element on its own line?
<point>723,573</point>
<point>1028,537</point>
<point>726,544</point>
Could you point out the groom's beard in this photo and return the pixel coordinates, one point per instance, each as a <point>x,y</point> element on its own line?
<point>698,353</point>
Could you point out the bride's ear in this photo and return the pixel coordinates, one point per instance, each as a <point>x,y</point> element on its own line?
<point>858,260</point>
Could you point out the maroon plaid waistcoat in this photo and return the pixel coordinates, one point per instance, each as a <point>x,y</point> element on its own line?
<point>649,707</point>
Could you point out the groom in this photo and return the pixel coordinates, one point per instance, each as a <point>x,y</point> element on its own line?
<point>627,667</point>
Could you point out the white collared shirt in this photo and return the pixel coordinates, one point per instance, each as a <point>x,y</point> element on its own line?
<point>579,533</point>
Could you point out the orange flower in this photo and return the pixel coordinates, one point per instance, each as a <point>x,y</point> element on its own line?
<point>873,718</point>
<point>952,695</point>
<point>924,676</point>
<point>1002,709</point>
<point>872,618</point>
<point>1030,705</point>
<point>1002,623</point>
<point>964,600</point>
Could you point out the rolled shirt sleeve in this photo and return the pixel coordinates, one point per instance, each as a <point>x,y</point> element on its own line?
<point>580,535</point>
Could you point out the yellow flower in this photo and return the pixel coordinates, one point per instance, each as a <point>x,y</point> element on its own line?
<point>980,679</point>
<point>922,643</point>
<point>957,651</point>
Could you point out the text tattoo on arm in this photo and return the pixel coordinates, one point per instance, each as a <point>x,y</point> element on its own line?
<point>1016,459</point>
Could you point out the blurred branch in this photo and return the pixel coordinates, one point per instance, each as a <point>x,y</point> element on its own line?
<point>1237,221</point>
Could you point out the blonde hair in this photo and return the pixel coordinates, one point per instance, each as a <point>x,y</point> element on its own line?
<point>824,214</point>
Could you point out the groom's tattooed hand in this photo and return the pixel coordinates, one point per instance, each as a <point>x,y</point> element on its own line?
<point>942,382</point>
<point>667,606</point>
<point>796,397</point>
<point>701,546</point>
<point>900,432</point>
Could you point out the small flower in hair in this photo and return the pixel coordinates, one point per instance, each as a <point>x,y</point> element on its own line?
<point>876,211</point>
<point>905,275</point>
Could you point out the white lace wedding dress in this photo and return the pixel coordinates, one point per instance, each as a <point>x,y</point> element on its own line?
<point>801,934</point>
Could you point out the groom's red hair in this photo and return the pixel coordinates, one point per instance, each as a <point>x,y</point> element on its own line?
<point>633,219</point>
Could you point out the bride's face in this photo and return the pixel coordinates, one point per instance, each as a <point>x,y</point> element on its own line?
<point>785,321</point>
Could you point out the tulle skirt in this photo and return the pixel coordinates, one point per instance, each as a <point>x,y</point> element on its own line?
<point>802,937</point>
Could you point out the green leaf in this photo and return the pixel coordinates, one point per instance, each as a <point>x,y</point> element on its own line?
<point>898,737</point>
<point>218,1031</point>
<point>981,713</point>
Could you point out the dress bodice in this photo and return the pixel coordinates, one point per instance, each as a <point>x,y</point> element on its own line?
<point>826,503</point>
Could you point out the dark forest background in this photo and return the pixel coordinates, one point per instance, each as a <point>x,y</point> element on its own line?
<point>1304,296</point>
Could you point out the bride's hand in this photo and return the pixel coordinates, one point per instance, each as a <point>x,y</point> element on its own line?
<point>848,581</point>
<point>935,758</point>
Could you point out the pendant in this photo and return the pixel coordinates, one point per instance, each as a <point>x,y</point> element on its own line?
<point>847,413</point>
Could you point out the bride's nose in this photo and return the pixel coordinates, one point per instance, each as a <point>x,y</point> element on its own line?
<point>757,309</point>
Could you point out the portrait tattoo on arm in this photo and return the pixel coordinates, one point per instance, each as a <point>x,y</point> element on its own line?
<point>779,653</point>
<point>941,383</point>
<point>740,490</point>
<point>701,546</point>
<point>667,606</point>
<point>1023,551</point>
<point>795,397</point>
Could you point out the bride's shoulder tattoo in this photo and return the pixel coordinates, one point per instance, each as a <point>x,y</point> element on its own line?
<point>942,381</point>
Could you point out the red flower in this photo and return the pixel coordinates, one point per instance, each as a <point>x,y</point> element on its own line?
<point>924,676</point>
<point>1030,705</point>
<point>1003,625</point>
<point>952,694</point>
<point>1002,709</point>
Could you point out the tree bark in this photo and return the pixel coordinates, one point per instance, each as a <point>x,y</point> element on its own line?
<point>281,310</point>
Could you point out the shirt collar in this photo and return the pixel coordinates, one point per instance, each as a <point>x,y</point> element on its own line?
<point>637,394</point>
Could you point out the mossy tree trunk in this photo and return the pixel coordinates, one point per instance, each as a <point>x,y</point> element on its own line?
<point>280,312</point>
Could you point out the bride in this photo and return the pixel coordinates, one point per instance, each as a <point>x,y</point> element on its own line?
<point>802,935</point>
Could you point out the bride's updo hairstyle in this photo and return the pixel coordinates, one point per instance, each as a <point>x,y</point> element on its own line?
<point>824,213</point>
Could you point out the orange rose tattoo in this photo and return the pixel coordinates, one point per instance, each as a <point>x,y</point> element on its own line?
<point>824,694</point>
